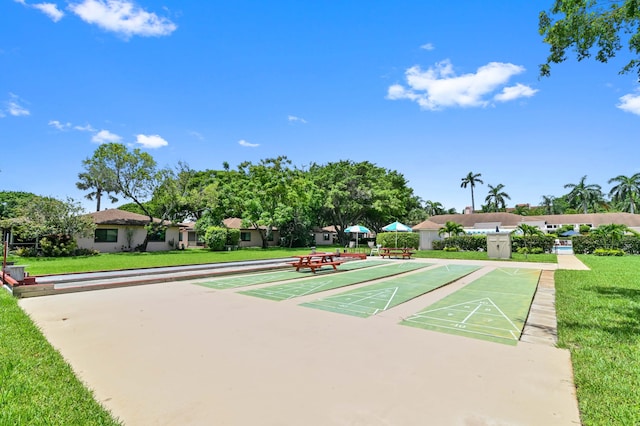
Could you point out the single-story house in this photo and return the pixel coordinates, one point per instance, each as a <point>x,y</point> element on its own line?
<point>188,235</point>
<point>250,236</point>
<point>325,236</point>
<point>119,230</point>
<point>482,223</point>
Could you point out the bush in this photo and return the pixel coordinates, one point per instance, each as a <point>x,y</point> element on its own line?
<point>233,237</point>
<point>26,252</point>
<point>467,242</point>
<point>405,239</point>
<point>608,252</point>
<point>437,244</point>
<point>215,238</point>
<point>451,248</point>
<point>58,245</point>
<point>534,243</point>
<point>588,244</point>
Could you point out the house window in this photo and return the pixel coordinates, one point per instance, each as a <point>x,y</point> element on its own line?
<point>106,236</point>
<point>245,236</point>
<point>158,236</point>
<point>270,236</point>
<point>325,236</point>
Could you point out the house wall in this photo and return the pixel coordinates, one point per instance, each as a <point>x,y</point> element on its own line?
<point>319,238</point>
<point>427,237</point>
<point>122,243</point>
<point>256,239</point>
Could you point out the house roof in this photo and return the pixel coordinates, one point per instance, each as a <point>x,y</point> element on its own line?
<point>236,223</point>
<point>502,219</point>
<point>427,225</point>
<point>470,220</point>
<point>122,217</point>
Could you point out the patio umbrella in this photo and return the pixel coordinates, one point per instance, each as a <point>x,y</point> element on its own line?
<point>397,227</point>
<point>357,229</point>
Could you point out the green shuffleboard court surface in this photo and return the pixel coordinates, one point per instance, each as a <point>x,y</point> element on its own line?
<point>494,307</point>
<point>270,277</point>
<point>378,297</point>
<point>331,281</point>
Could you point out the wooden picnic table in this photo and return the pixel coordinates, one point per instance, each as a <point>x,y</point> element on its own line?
<point>405,252</point>
<point>314,261</point>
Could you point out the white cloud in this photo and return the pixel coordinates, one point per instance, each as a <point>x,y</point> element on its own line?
<point>51,10</point>
<point>151,141</point>
<point>427,46</point>
<point>122,17</point>
<point>515,92</point>
<point>439,86</point>
<point>293,118</point>
<point>630,103</point>
<point>105,136</point>
<point>85,128</point>
<point>60,126</point>
<point>196,135</point>
<point>13,108</point>
<point>242,142</point>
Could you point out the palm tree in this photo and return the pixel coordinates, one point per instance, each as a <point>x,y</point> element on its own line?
<point>88,181</point>
<point>451,228</point>
<point>433,208</point>
<point>612,234</point>
<point>496,198</point>
<point>626,192</point>
<point>527,231</point>
<point>471,180</point>
<point>548,202</point>
<point>584,195</point>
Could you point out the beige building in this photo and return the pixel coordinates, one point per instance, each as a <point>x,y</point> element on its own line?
<point>119,230</point>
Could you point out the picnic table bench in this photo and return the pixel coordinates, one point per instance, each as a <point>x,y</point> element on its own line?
<point>315,261</point>
<point>406,253</point>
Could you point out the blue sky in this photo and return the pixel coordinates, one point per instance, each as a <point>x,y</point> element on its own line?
<point>433,90</point>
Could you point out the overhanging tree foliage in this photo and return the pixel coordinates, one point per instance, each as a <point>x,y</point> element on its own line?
<point>588,27</point>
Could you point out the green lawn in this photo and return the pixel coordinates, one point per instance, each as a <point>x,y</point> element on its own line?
<point>599,322</point>
<point>37,386</point>
<point>115,261</point>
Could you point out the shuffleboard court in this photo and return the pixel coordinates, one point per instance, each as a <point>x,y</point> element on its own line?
<point>494,307</point>
<point>378,297</point>
<point>270,277</point>
<point>330,281</point>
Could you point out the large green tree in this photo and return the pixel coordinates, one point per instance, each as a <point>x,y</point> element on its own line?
<point>591,26</point>
<point>471,180</point>
<point>131,173</point>
<point>270,197</point>
<point>626,192</point>
<point>583,196</point>
<point>361,193</point>
<point>496,199</point>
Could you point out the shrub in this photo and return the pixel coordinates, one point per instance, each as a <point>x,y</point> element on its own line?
<point>467,242</point>
<point>608,252</point>
<point>405,239</point>
<point>233,237</point>
<point>215,238</point>
<point>451,248</point>
<point>539,243</point>
<point>437,244</point>
<point>58,245</point>
<point>26,252</point>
